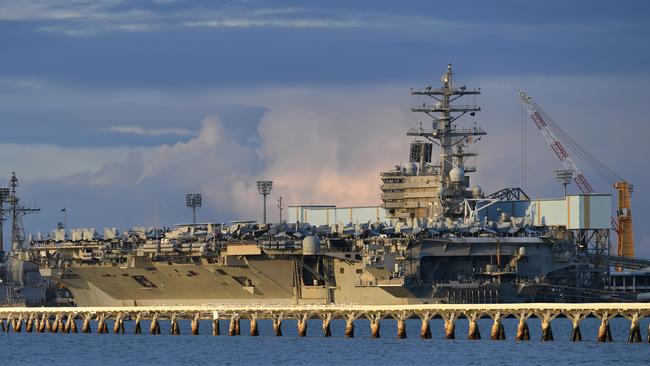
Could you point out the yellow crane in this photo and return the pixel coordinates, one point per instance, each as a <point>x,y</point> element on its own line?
<point>623,221</point>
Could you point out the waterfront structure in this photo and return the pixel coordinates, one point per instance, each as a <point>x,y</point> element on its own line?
<point>443,240</point>
<point>65,320</point>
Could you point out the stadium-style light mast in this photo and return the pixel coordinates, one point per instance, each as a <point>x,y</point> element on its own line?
<point>264,187</point>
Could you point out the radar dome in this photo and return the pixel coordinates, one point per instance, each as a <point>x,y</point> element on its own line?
<point>477,191</point>
<point>411,169</point>
<point>310,245</point>
<point>457,174</point>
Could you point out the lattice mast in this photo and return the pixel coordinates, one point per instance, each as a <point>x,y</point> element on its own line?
<point>451,139</point>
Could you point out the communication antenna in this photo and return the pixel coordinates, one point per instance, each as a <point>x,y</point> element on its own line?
<point>4,196</point>
<point>264,187</point>
<point>17,212</point>
<point>193,201</point>
<point>280,207</point>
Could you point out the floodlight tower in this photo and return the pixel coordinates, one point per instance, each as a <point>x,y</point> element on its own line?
<point>193,201</point>
<point>564,176</point>
<point>264,187</point>
<point>280,207</point>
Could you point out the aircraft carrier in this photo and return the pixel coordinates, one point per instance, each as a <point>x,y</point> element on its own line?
<point>444,241</point>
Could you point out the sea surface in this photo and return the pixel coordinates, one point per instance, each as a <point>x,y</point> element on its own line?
<point>205,349</point>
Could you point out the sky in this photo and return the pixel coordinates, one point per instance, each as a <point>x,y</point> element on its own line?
<point>115,109</point>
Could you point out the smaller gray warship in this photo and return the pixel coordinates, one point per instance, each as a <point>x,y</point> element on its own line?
<point>444,241</point>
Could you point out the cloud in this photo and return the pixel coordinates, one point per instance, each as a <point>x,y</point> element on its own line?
<point>138,130</point>
<point>283,23</point>
<point>87,18</point>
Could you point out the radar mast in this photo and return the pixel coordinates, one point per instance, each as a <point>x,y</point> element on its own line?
<point>443,192</point>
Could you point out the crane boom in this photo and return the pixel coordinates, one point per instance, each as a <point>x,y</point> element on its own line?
<point>536,113</point>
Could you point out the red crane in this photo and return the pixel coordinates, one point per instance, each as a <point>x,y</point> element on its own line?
<point>537,114</point>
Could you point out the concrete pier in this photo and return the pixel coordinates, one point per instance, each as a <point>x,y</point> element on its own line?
<point>62,320</point>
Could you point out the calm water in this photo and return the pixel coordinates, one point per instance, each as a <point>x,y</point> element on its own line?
<point>109,349</point>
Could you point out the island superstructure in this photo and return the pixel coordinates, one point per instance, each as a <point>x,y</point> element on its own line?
<point>445,241</point>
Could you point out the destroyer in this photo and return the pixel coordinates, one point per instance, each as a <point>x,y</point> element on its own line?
<point>445,241</point>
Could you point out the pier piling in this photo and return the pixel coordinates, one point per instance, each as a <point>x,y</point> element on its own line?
<point>450,323</point>
<point>137,328</point>
<point>195,325</point>
<point>604,333</point>
<point>575,317</point>
<point>233,327</point>
<point>375,325</point>
<point>85,327</point>
<point>349,325</point>
<point>401,323</point>
<point>254,332</point>
<point>30,323</point>
<point>473,331</point>
<point>175,328</point>
<point>154,327</point>
<point>277,324</point>
<point>302,324</point>
<point>635,329</point>
<point>425,329</point>
<point>327,318</point>
<point>546,317</point>
<point>215,324</point>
